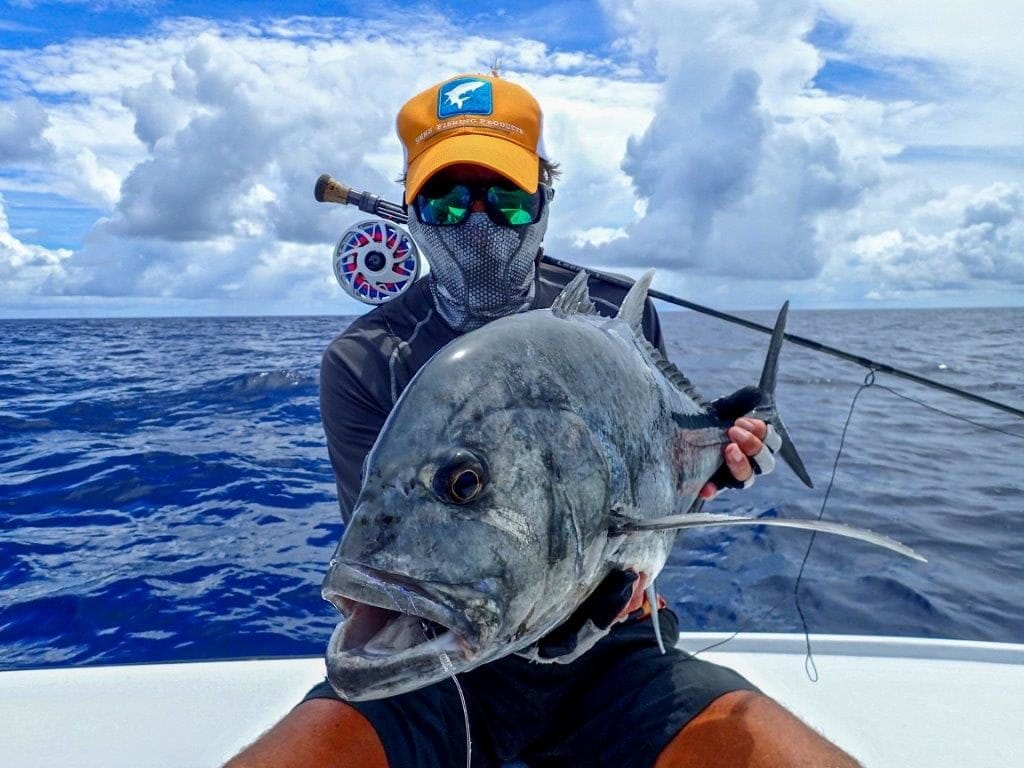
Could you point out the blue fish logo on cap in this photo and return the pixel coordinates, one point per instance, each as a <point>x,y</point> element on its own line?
<point>465,96</point>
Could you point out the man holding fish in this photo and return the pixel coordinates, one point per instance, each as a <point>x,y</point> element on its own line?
<point>605,686</point>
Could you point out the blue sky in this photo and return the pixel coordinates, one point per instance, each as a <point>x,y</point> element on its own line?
<point>575,24</point>
<point>159,157</point>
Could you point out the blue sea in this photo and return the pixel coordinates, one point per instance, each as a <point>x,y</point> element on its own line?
<point>165,492</point>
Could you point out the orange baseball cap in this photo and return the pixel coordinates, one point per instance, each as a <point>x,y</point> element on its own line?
<point>476,119</point>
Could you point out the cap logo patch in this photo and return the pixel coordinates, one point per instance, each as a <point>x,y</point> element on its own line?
<point>465,96</point>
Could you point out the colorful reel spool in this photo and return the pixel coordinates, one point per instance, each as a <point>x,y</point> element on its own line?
<point>375,261</point>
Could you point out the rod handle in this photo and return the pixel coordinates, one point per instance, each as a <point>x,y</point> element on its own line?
<point>330,190</point>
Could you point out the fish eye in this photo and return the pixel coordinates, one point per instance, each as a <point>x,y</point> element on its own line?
<point>461,479</point>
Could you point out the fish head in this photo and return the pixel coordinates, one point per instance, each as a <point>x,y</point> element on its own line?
<point>480,525</point>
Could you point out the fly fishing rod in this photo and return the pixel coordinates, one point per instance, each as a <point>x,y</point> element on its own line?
<point>330,190</point>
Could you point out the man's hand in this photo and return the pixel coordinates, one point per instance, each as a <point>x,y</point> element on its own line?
<point>747,437</point>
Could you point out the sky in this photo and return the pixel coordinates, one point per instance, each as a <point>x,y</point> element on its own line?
<point>158,158</point>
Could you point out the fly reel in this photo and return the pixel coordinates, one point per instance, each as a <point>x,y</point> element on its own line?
<point>376,261</point>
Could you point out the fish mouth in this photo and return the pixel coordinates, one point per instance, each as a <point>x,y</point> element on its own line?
<point>393,633</point>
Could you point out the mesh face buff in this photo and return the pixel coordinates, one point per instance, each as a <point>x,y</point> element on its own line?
<point>479,270</point>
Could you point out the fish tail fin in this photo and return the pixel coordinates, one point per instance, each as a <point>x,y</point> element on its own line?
<point>760,401</point>
<point>766,408</point>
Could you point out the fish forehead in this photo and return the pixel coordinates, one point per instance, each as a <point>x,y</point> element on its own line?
<point>589,365</point>
<point>523,359</point>
<point>532,360</point>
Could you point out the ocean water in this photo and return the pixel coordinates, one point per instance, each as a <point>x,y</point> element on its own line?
<point>165,492</point>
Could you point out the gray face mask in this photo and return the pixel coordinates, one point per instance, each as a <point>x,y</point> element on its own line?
<point>479,270</point>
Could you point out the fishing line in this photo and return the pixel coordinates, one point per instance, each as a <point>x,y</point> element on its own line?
<point>809,666</point>
<point>744,628</point>
<point>447,666</point>
<point>869,381</point>
<point>450,669</point>
<point>949,414</point>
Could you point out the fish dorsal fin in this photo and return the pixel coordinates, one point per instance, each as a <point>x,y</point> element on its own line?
<point>632,308</point>
<point>632,311</point>
<point>669,370</point>
<point>574,298</point>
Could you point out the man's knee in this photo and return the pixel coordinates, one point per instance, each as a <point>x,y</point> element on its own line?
<point>748,729</point>
<point>321,732</point>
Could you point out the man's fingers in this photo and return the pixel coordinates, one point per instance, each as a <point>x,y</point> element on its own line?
<point>739,464</point>
<point>749,454</point>
<point>749,443</point>
<point>760,452</point>
<point>756,427</point>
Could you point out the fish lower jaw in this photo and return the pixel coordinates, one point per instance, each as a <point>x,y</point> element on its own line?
<point>372,633</point>
<point>395,659</point>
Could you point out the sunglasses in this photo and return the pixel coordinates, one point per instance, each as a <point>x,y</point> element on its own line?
<point>446,204</point>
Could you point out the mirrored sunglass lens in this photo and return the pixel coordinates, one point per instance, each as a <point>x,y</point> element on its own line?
<point>449,207</point>
<point>516,206</point>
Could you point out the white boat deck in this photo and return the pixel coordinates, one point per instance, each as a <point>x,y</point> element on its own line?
<point>899,702</point>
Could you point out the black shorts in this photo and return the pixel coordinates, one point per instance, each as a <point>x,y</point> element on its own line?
<point>618,705</point>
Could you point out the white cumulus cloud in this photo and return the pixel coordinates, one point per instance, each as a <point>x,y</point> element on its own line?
<point>27,269</point>
<point>22,125</point>
<point>742,158</point>
<point>983,240</point>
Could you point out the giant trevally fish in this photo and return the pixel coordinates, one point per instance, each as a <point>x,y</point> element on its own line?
<point>525,462</point>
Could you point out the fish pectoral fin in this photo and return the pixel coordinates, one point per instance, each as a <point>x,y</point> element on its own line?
<point>707,519</point>
<point>630,520</point>
<point>652,600</point>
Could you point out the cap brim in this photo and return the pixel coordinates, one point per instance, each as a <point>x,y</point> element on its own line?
<point>505,157</point>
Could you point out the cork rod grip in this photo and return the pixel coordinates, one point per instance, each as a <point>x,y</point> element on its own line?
<point>330,190</point>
